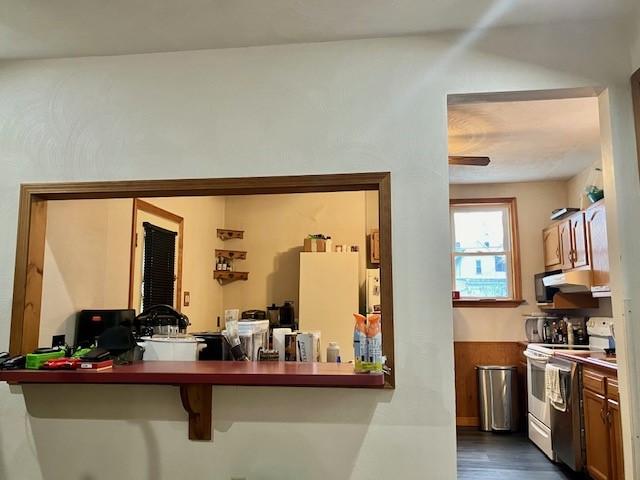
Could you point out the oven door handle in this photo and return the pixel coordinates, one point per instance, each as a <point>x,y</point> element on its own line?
<point>537,358</point>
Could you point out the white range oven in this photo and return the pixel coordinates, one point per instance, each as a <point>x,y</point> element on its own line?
<point>539,417</point>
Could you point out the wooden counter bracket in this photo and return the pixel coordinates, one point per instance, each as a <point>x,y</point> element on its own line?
<point>197,401</point>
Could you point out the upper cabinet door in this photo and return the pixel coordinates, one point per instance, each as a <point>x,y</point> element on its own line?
<point>597,230</point>
<point>552,250</point>
<point>565,245</point>
<point>580,244</point>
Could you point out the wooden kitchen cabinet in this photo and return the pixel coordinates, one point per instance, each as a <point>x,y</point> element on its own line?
<point>602,425</point>
<point>615,438</point>
<point>565,244</point>
<point>580,244</point>
<point>596,218</point>
<point>596,435</point>
<point>552,247</point>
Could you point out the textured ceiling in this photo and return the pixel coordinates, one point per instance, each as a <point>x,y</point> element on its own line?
<point>527,141</point>
<point>66,28</point>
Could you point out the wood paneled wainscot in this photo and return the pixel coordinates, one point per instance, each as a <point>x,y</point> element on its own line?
<point>467,356</point>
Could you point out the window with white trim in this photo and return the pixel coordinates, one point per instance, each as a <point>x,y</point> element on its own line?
<point>484,249</point>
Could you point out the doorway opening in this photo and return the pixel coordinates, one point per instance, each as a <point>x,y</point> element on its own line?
<point>531,283</point>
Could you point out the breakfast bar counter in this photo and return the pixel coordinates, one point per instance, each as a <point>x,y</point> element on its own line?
<point>196,378</point>
<point>292,374</point>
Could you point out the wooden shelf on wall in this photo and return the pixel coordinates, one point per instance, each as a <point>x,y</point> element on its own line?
<point>226,276</point>
<point>231,254</point>
<point>226,234</point>
<point>374,246</point>
<point>196,378</point>
<point>571,301</point>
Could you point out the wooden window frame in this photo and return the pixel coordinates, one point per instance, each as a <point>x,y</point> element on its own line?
<point>516,272</point>
<point>32,220</point>
<point>142,206</point>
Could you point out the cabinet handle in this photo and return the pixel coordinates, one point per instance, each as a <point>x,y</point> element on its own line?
<point>603,416</point>
<point>609,421</point>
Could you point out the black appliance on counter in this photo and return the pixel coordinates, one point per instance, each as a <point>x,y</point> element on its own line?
<point>216,346</point>
<point>161,320</point>
<point>545,294</point>
<point>273,313</point>
<point>254,315</point>
<point>287,315</point>
<point>92,323</point>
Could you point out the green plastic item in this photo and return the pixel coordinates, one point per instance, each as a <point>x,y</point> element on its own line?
<point>81,352</point>
<point>36,360</point>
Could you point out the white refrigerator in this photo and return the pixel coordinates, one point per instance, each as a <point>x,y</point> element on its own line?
<point>329,296</point>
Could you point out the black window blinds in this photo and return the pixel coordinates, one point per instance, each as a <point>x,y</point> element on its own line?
<point>159,266</point>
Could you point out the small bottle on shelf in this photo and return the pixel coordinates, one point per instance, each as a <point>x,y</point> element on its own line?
<point>333,352</point>
<point>570,335</point>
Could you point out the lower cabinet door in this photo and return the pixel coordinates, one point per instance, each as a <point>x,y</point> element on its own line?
<point>615,439</point>
<point>597,435</point>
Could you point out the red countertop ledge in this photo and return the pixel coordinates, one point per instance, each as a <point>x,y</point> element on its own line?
<point>289,374</point>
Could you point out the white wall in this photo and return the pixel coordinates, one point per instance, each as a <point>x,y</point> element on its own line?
<point>535,201</point>
<point>635,45</point>
<point>576,196</point>
<point>275,228</point>
<point>323,108</point>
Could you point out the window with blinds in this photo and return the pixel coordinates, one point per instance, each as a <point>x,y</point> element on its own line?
<point>158,271</point>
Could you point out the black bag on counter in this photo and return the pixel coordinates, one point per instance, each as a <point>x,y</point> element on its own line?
<point>121,344</point>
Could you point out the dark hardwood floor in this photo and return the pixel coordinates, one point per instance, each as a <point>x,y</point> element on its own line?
<point>484,456</point>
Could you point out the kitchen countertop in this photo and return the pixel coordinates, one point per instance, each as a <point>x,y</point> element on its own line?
<point>291,374</point>
<point>592,359</point>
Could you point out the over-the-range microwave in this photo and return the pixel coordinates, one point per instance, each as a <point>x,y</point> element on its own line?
<point>545,294</point>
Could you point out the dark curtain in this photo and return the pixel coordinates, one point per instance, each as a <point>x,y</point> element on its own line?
<point>159,266</point>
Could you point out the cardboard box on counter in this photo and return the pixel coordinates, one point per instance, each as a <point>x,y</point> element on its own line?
<point>314,245</point>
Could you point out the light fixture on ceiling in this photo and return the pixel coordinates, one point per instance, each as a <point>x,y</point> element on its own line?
<point>469,161</point>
